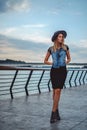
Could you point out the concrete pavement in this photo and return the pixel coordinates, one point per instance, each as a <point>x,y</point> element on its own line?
<point>33,112</point>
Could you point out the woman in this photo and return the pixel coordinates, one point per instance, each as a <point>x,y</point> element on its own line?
<point>60,57</point>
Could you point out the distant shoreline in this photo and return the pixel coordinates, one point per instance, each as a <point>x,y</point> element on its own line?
<point>10,62</point>
<point>27,66</point>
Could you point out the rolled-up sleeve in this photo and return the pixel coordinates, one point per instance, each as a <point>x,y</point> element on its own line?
<point>67,47</point>
<point>49,50</point>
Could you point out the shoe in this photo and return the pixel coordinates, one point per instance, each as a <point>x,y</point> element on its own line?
<point>53,118</point>
<point>57,114</point>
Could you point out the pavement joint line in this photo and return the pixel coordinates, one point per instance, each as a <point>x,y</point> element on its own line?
<point>78,124</point>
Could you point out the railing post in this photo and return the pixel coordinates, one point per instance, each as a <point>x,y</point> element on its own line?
<point>80,77</point>
<point>11,93</point>
<point>71,78</point>
<point>66,77</point>
<point>49,85</point>
<point>64,85</point>
<point>76,78</point>
<point>26,90</point>
<point>40,81</point>
<point>84,77</point>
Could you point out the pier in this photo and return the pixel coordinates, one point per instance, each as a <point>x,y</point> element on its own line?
<point>32,110</point>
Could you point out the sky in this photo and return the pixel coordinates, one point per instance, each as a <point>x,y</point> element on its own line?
<point>26,28</point>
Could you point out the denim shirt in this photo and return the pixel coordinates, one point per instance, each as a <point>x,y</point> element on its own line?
<point>58,57</point>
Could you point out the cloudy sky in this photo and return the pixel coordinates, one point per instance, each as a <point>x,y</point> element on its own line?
<point>26,27</point>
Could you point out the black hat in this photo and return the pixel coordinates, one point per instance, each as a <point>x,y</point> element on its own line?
<point>57,33</point>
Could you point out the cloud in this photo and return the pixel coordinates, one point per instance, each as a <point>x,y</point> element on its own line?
<point>14,5</point>
<point>54,11</point>
<point>31,52</point>
<point>78,13</point>
<point>79,56</point>
<point>20,54</point>
<point>37,38</point>
<point>83,43</point>
<point>34,25</point>
<point>8,31</point>
<point>79,51</point>
<point>30,32</point>
<point>19,43</point>
<point>21,50</point>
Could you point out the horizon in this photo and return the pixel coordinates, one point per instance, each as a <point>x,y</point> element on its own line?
<point>78,63</point>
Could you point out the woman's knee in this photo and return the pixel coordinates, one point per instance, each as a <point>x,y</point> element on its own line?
<point>57,91</point>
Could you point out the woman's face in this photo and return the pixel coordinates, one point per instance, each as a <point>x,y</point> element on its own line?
<point>60,38</point>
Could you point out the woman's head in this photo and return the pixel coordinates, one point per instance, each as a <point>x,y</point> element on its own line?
<point>59,36</point>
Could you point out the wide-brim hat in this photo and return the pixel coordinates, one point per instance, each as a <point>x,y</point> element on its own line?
<point>55,35</point>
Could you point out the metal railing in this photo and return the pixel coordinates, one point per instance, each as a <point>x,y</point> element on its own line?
<point>27,80</point>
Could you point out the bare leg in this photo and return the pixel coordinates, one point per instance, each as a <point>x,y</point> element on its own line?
<point>53,93</point>
<point>56,98</point>
<point>55,113</point>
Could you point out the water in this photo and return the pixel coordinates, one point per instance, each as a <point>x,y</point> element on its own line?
<point>40,65</point>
